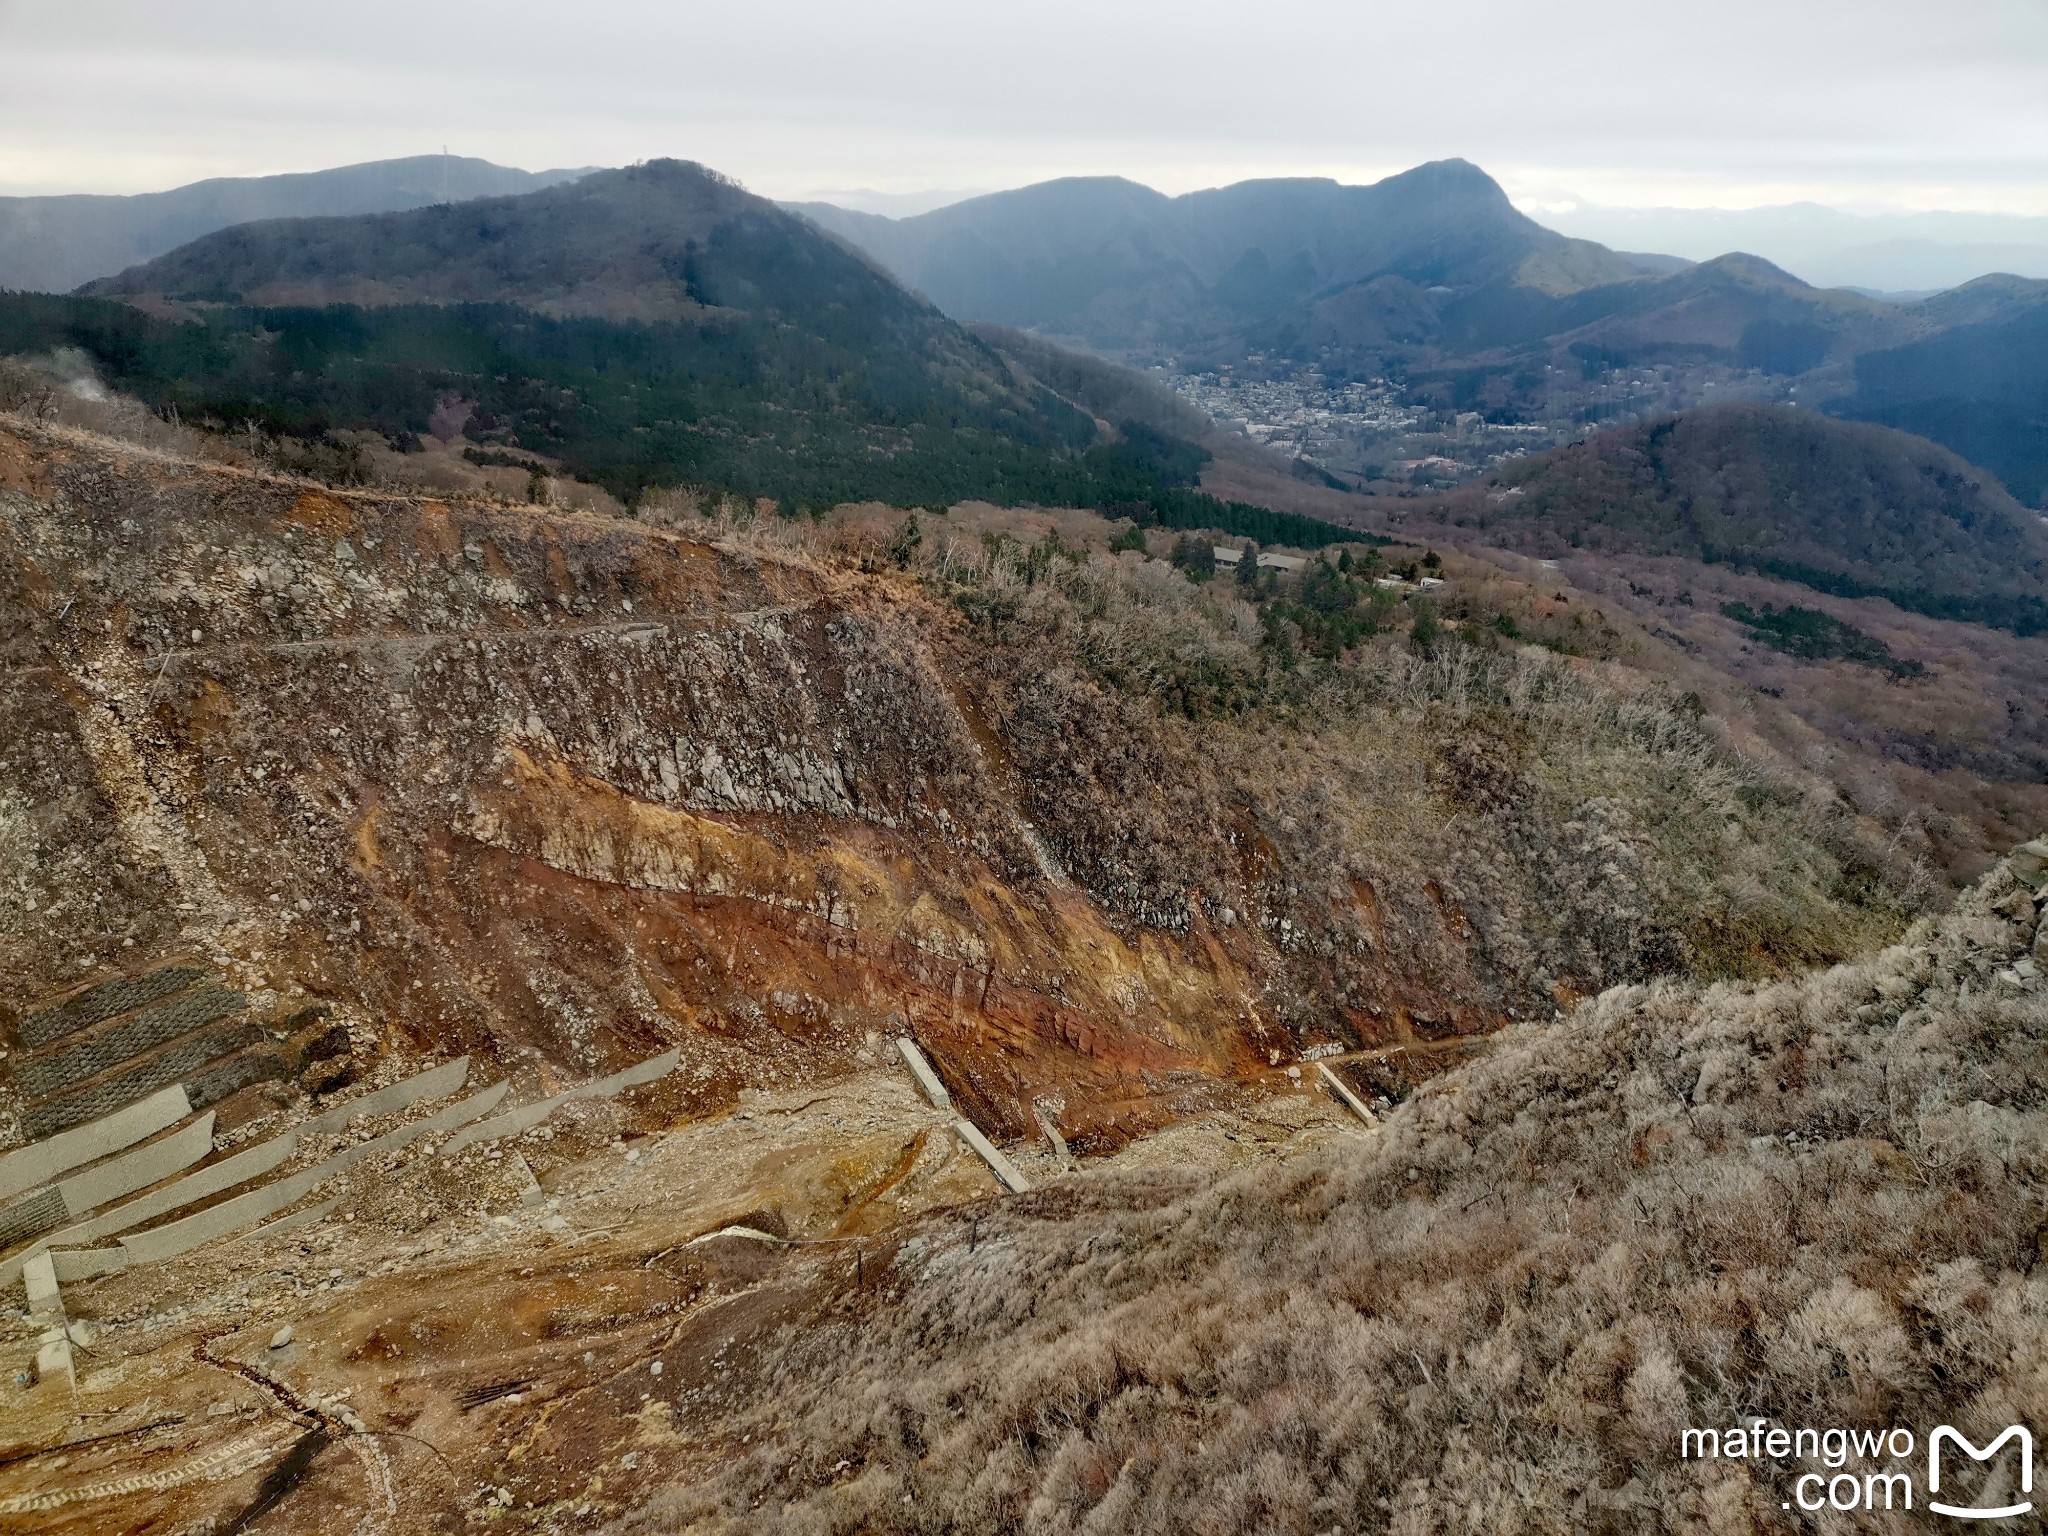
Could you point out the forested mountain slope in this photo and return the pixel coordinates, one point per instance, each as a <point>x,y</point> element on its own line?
<point>665,239</point>
<point>1978,386</point>
<point>1434,280</point>
<point>646,328</point>
<point>1845,507</point>
<point>1117,265</point>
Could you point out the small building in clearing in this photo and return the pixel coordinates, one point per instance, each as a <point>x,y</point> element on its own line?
<point>1230,557</point>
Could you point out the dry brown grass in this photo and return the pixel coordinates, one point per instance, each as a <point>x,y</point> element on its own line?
<point>1816,1201</point>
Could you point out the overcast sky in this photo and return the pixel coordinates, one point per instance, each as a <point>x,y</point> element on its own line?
<point>1866,103</point>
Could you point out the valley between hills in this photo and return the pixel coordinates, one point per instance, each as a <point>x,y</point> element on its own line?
<point>651,884</point>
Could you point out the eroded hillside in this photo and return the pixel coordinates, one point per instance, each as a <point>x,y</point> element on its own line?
<point>328,805</point>
<point>564,790</point>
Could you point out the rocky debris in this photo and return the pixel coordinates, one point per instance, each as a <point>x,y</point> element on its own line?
<point>2029,862</point>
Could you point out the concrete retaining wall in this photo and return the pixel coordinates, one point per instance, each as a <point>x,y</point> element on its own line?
<point>104,1001</point>
<point>1005,1171</point>
<point>251,1163</point>
<point>293,1222</point>
<point>86,1192</point>
<point>40,1278</point>
<point>83,1263</point>
<point>455,1115</point>
<point>527,1116</point>
<point>46,1318</point>
<point>232,1215</point>
<point>229,1216</point>
<point>1343,1090</point>
<point>41,1163</point>
<point>1051,1127</point>
<point>434,1083</point>
<point>171,1066</point>
<point>928,1080</point>
<point>139,1032</point>
<point>254,1162</point>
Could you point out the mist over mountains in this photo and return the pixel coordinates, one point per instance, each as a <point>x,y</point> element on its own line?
<point>1435,280</point>
<point>1900,253</point>
<point>1431,279</point>
<point>52,244</point>
<point>1116,264</point>
<point>651,327</point>
<point>661,325</point>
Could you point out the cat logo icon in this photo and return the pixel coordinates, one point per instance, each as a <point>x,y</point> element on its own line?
<point>1963,1512</point>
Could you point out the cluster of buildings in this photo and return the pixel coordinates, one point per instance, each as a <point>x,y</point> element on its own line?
<point>1358,428</point>
<point>1366,430</point>
<point>1304,416</point>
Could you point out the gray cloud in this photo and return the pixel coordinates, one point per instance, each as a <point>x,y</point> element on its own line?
<point>1907,102</point>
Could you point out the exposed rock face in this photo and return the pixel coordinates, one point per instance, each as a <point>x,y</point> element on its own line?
<point>567,791</point>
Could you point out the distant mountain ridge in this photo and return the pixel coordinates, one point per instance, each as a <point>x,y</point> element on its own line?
<point>1434,279</point>
<point>1431,277</point>
<point>1115,264</point>
<point>1431,267</point>
<point>53,244</point>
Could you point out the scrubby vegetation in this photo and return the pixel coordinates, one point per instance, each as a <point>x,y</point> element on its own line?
<point>1816,1202</point>
<point>1210,641</point>
<point>1586,824</point>
<point>1410,838</point>
<point>1423,749</point>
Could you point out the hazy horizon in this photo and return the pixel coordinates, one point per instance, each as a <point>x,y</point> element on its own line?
<point>1917,106</point>
<point>1902,253</point>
